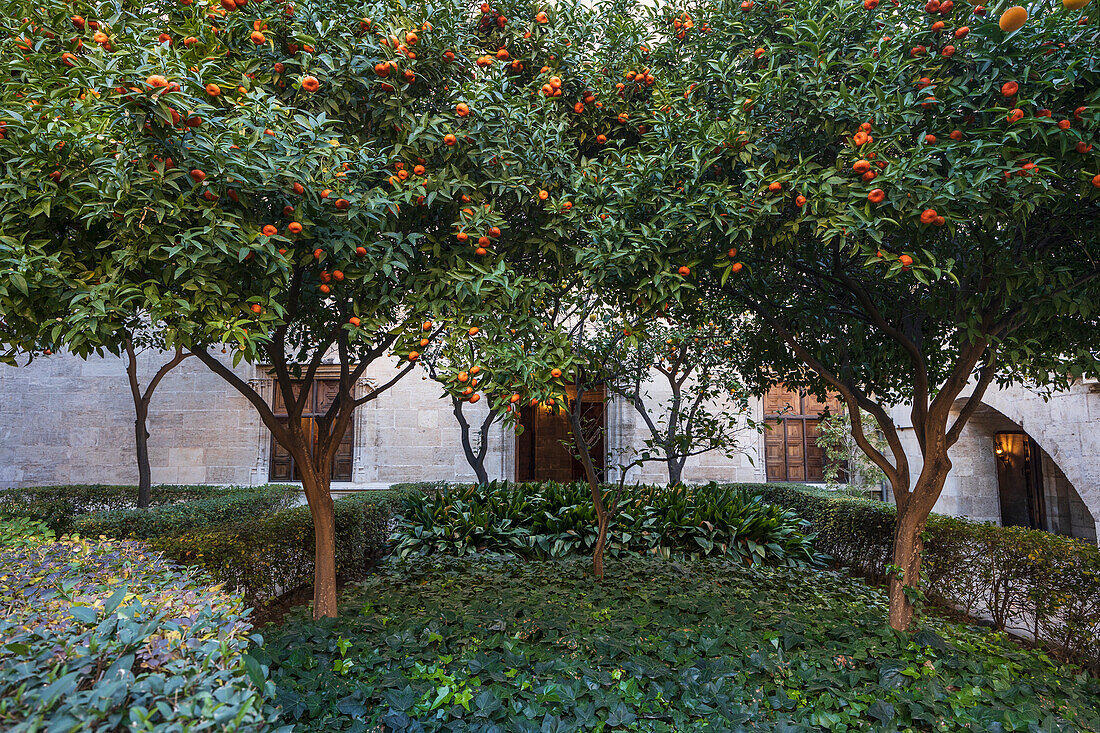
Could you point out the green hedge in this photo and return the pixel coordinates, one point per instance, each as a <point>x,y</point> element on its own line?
<point>59,506</point>
<point>104,635</point>
<point>1025,580</point>
<point>220,507</point>
<point>551,519</point>
<point>252,540</point>
<point>265,557</point>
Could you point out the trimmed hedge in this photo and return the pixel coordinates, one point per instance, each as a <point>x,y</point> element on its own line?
<point>550,519</point>
<point>1024,580</point>
<point>221,507</point>
<point>252,540</point>
<point>265,557</point>
<point>108,636</point>
<point>59,506</point>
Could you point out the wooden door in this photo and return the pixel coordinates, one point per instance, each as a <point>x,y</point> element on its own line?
<point>317,403</point>
<point>544,449</point>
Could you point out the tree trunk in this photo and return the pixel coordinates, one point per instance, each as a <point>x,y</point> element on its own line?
<point>675,471</point>
<point>907,549</point>
<point>912,516</point>
<point>141,438</point>
<point>324,554</point>
<point>603,519</point>
<point>476,460</point>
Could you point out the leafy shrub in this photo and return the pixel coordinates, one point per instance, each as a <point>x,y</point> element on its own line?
<point>59,506</point>
<point>555,519</point>
<point>109,636</point>
<point>264,557</point>
<point>19,529</point>
<point>485,644</point>
<point>1025,580</point>
<point>426,487</point>
<point>221,507</point>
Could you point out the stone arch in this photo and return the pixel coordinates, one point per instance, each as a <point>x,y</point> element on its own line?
<point>1066,426</point>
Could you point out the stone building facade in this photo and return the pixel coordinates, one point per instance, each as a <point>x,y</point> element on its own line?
<point>64,420</point>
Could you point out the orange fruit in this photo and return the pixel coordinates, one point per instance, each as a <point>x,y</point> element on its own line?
<point>270,230</point>
<point>310,83</point>
<point>928,216</point>
<point>354,320</point>
<point>555,373</point>
<point>414,355</point>
<point>294,227</point>
<point>1012,19</point>
<point>876,196</point>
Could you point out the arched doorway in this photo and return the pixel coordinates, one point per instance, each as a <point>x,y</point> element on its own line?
<point>1005,469</point>
<point>1020,480</point>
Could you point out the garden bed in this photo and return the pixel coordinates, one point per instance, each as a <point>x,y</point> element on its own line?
<point>492,644</point>
<point>104,635</point>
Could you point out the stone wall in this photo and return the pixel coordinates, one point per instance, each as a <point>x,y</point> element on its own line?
<point>66,420</point>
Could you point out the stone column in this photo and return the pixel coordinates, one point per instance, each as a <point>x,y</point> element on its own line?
<point>359,467</point>
<point>260,473</point>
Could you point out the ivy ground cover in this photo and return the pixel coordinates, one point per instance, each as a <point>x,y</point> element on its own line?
<point>483,644</point>
<point>108,636</point>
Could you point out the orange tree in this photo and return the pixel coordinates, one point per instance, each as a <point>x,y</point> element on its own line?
<point>682,380</point>
<point>905,197</point>
<point>296,183</point>
<point>500,363</point>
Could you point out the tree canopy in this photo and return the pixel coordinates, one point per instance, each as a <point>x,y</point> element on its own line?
<point>904,197</point>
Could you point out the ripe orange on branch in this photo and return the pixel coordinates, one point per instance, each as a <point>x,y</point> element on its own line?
<point>1012,19</point>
